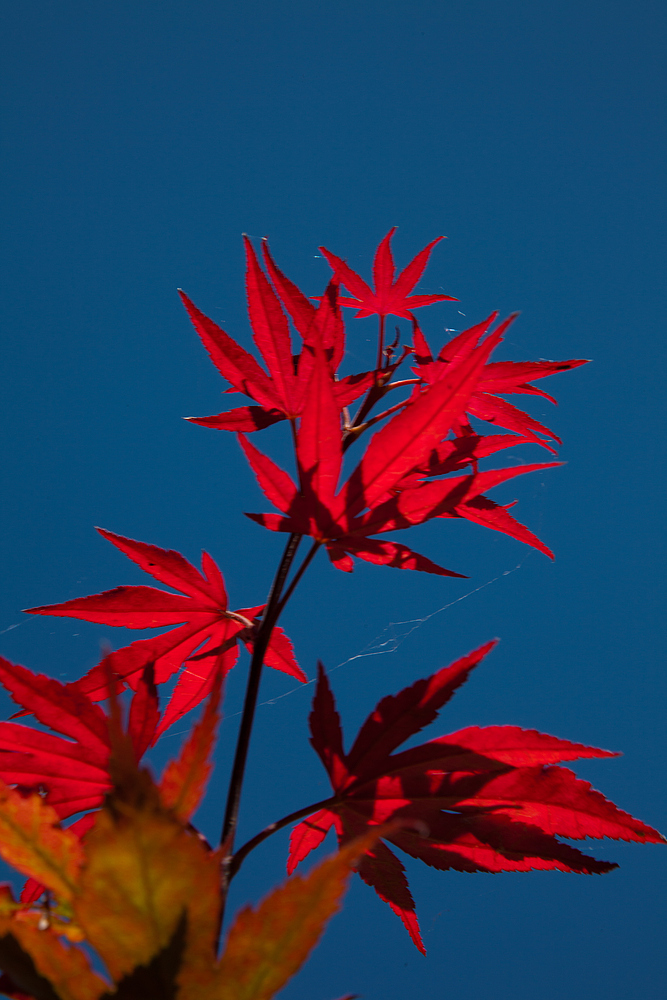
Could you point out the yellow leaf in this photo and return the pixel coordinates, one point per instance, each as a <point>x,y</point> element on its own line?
<point>267,946</point>
<point>143,871</point>
<point>32,841</point>
<point>66,969</point>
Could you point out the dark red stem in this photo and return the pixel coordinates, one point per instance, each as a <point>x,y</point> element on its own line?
<point>269,620</point>
<point>380,344</point>
<point>250,845</point>
<point>297,576</point>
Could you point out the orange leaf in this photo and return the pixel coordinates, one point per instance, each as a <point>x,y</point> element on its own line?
<point>143,871</point>
<point>267,946</point>
<point>66,969</point>
<point>32,841</point>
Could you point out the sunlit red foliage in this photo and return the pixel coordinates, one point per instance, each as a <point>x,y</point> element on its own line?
<point>131,877</point>
<point>210,629</point>
<point>477,800</point>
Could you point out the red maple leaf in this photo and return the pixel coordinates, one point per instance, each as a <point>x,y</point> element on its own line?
<point>71,773</point>
<point>480,799</point>
<point>469,449</point>
<point>501,376</point>
<point>74,771</point>
<point>206,639</point>
<point>386,491</point>
<point>281,393</point>
<point>391,297</point>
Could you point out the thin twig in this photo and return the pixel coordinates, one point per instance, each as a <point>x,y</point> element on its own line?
<point>297,576</point>
<point>375,394</point>
<point>250,845</point>
<point>359,428</point>
<point>406,352</point>
<point>380,358</point>
<point>401,383</point>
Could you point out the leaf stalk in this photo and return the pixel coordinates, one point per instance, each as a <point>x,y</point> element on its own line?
<point>272,828</point>
<point>297,576</point>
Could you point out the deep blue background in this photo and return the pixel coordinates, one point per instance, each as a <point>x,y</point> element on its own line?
<point>142,138</point>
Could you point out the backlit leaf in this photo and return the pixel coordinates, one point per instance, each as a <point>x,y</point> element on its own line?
<point>201,613</point>
<point>266,946</point>
<point>390,297</point>
<point>66,968</point>
<point>475,800</point>
<point>32,841</point>
<point>143,872</point>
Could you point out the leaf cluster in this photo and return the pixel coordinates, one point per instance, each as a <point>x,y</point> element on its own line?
<point>129,878</point>
<point>143,889</point>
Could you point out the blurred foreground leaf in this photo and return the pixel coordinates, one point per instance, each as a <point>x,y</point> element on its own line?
<point>32,841</point>
<point>267,946</point>
<point>39,963</point>
<point>144,875</point>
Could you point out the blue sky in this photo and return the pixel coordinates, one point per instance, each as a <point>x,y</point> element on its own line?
<point>141,140</point>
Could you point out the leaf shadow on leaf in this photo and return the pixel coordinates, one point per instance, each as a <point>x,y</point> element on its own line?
<point>20,968</point>
<point>158,979</point>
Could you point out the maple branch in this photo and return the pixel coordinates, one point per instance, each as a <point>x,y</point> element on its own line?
<point>269,620</point>
<point>297,576</point>
<point>255,841</point>
<point>380,344</point>
<point>375,394</point>
<point>359,428</point>
<point>406,352</point>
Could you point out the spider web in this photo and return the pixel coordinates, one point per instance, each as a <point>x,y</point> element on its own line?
<point>391,637</point>
<point>394,634</point>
